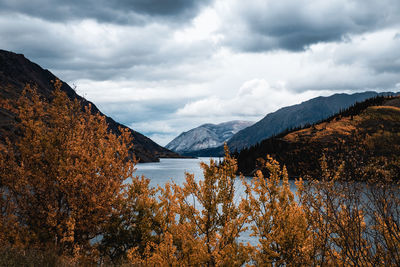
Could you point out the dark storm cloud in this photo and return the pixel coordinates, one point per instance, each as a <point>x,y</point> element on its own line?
<point>114,11</point>
<point>295,25</point>
<point>88,50</point>
<point>141,61</point>
<point>161,7</point>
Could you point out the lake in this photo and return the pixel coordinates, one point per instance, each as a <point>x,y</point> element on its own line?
<point>174,170</point>
<point>168,170</point>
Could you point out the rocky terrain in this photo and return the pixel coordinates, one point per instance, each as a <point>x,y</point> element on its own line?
<point>206,136</point>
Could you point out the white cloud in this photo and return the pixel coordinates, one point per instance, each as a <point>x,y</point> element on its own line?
<point>364,62</point>
<point>260,25</point>
<point>234,60</point>
<point>254,98</point>
<point>133,91</point>
<point>153,126</point>
<point>203,27</point>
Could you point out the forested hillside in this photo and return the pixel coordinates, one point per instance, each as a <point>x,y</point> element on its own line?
<point>364,131</point>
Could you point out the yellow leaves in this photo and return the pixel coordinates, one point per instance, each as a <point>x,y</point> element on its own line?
<point>70,231</point>
<point>62,184</point>
<point>278,221</point>
<point>325,225</point>
<point>65,169</point>
<point>200,222</point>
<point>162,254</point>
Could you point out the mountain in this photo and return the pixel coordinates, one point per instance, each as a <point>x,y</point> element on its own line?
<point>16,71</point>
<point>307,112</point>
<point>206,136</point>
<point>366,131</point>
<point>287,118</point>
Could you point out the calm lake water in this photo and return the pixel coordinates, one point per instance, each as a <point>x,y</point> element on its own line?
<point>171,170</point>
<point>174,170</point>
<point>168,170</point>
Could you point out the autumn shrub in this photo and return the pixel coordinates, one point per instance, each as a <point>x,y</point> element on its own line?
<point>61,176</point>
<point>63,202</point>
<point>353,223</point>
<point>135,223</point>
<point>202,222</point>
<point>337,220</point>
<point>278,221</point>
<point>333,221</point>
<point>14,257</point>
<point>383,213</point>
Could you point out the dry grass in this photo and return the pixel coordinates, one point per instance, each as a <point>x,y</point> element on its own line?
<point>343,127</point>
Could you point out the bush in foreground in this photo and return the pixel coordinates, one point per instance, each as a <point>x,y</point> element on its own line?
<point>63,202</point>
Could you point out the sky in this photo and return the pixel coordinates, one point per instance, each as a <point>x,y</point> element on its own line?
<point>163,67</point>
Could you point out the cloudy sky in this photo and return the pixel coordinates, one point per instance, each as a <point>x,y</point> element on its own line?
<point>166,66</point>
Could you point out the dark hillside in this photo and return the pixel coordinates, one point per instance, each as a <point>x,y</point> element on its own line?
<point>16,71</point>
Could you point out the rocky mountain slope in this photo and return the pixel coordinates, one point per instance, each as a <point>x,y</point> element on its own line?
<point>206,136</point>
<point>16,71</point>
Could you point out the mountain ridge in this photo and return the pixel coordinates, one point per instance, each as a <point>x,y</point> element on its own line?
<point>16,71</point>
<point>290,117</point>
<point>206,136</point>
<point>367,130</point>
<point>307,112</point>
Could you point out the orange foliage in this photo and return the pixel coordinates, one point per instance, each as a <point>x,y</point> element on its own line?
<point>62,176</point>
<point>278,221</point>
<point>201,222</point>
<point>62,187</point>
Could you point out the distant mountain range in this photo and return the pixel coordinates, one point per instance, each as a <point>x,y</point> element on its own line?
<point>307,112</point>
<point>206,136</point>
<point>366,132</point>
<point>290,117</point>
<point>16,71</point>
